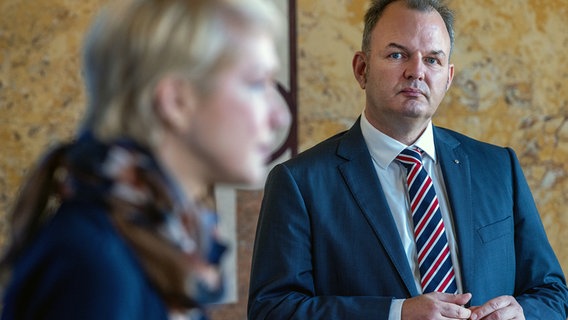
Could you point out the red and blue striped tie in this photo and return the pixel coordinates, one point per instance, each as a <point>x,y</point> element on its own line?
<point>435,264</point>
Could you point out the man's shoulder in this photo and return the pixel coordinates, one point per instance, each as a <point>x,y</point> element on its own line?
<point>321,151</point>
<point>464,140</point>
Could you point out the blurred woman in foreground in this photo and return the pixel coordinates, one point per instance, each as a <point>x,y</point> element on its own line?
<point>112,225</point>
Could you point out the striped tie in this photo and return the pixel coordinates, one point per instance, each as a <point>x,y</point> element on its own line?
<point>435,264</point>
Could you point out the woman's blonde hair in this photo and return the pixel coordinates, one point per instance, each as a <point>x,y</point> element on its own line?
<point>128,50</point>
<point>131,47</point>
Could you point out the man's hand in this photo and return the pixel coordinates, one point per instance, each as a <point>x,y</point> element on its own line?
<point>500,308</point>
<point>436,305</point>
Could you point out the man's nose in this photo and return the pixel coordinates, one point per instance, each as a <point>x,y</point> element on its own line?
<point>415,69</point>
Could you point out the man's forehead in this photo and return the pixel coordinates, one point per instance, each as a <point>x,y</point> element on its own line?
<point>403,25</point>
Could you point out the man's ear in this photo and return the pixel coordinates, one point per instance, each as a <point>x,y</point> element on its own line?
<point>174,102</point>
<point>450,76</point>
<point>359,65</point>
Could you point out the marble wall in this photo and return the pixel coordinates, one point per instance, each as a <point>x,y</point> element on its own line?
<point>510,89</point>
<point>510,86</point>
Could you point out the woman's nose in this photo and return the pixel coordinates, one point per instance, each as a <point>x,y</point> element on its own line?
<point>280,116</point>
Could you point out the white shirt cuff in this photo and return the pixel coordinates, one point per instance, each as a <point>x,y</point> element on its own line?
<point>395,312</point>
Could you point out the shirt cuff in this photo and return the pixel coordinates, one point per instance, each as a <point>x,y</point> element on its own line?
<point>395,312</point>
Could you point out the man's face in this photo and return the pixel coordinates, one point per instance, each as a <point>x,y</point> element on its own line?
<point>407,72</point>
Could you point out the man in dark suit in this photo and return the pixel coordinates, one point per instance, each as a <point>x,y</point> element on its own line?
<point>336,233</point>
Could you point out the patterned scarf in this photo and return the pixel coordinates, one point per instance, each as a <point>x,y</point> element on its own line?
<point>174,238</point>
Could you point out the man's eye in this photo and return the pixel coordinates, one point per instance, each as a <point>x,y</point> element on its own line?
<point>396,55</point>
<point>431,60</point>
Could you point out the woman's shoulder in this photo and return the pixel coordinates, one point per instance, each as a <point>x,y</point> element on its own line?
<point>80,261</point>
<point>82,238</point>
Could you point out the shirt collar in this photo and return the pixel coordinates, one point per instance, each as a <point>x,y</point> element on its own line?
<point>384,149</point>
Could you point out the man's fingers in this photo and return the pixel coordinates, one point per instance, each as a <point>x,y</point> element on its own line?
<point>460,299</point>
<point>452,308</point>
<point>498,306</point>
<point>456,312</point>
<point>436,305</point>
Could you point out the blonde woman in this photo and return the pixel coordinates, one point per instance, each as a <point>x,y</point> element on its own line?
<point>112,225</point>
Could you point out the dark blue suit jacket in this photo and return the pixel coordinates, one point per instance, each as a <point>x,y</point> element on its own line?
<point>327,246</point>
<point>79,267</point>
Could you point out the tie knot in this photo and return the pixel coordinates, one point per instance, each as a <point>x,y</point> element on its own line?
<point>410,157</point>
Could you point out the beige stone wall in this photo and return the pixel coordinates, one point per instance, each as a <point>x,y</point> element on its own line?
<point>510,86</point>
<point>510,89</point>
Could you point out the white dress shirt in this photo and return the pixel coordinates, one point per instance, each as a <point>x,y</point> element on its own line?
<point>392,176</point>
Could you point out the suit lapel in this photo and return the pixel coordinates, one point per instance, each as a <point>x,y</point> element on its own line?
<point>455,165</point>
<point>359,175</point>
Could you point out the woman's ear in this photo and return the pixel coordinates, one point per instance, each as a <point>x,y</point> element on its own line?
<point>174,102</point>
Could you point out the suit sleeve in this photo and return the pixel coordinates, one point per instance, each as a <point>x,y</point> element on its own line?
<point>540,286</point>
<point>283,284</point>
